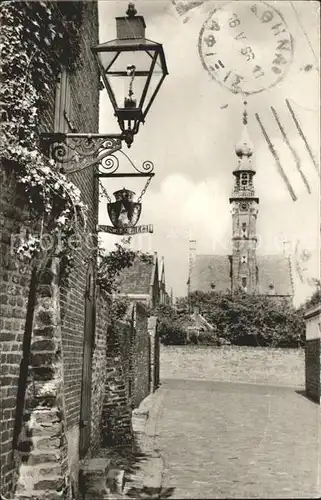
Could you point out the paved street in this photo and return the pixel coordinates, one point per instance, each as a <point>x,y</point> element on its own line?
<point>233,440</point>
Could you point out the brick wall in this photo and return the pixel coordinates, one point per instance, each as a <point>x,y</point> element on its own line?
<point>312,369</point>
<point>53,371</point>
<point>116,413</point>
<point>84,84</point>
<point>99,369</point>
<point>128,362</point>
<point>42,444</point>
<point>15,278</point>
<point>154,352</point>
<point>32,428</point>
<point>312,319</point>
<point>141,356</point>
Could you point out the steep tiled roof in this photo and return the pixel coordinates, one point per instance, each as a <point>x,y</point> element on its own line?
<point>210,270</point>
<point>274,270</point>
<point>137,278</point>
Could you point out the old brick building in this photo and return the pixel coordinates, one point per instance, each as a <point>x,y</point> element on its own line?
<point>313,352</point>
<point>68,380</point>
<point>143,281</point>
<point>245,269</point>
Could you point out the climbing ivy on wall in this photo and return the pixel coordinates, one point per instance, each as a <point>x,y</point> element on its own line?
<point>110,265</point>
<point>113,262</point>
<point>37,39</point>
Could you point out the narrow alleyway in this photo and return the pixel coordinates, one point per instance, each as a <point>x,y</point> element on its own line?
<point>208,438</point>
<point>233,440</point>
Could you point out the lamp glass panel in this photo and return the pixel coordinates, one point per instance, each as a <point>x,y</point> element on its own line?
<point>141,59</point>
<point>119,79</point>
<point>106,58</point>
<point>120,88</point>
<point>154,82</point>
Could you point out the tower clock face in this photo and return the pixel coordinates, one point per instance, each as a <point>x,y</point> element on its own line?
<point>246,46</point>
<point>244,207</point>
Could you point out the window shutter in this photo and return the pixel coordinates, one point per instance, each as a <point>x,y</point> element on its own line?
<point>63,118</point>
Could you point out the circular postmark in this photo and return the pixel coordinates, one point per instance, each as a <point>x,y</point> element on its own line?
<point>246,46</point>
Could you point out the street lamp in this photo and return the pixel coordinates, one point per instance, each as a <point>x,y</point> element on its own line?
<point>132,69</point>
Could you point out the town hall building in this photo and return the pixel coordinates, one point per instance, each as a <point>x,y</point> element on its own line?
<point>244,269</point>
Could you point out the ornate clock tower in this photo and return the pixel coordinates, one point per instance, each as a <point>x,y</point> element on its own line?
<point>244,213</point>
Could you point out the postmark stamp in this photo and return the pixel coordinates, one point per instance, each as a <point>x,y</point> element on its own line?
<point>246,46</point>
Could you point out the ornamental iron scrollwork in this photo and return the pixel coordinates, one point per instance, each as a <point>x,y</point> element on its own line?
<point>81,151</point>
<point>75,152</point>
<point>109,166</point>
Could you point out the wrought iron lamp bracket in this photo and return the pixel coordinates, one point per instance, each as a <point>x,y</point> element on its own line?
<point>75,152</point>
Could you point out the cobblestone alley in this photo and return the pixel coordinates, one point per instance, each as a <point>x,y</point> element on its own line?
<point>236,440</point>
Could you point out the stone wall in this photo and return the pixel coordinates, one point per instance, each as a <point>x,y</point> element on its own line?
<point>258,365</point>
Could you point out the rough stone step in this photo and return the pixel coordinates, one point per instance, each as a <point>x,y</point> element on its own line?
<point>99,479</point>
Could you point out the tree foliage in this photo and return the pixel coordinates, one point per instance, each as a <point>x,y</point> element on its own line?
<point>315,298</point>
<point>246,319</point>
<point>109,268</point>
<point>171,331</point>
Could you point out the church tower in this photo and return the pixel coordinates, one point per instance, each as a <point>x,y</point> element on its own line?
<point>244,213</point>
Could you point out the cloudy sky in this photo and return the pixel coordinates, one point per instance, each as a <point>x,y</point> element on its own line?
<point>190,134</point>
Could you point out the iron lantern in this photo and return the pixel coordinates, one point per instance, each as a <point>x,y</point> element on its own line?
<point>124,212</point>
<point>133,69</point>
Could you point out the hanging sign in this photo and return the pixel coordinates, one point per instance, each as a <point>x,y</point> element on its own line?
<point>147,228</point>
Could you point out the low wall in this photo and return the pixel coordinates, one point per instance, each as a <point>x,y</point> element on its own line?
<point>257,365</point>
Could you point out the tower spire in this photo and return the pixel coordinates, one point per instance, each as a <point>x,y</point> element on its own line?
<point>245,113</point>
<point>244,213</point>
<point>245,146</point>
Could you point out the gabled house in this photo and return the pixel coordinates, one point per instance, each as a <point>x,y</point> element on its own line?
<point>140,282</point>
<point>164,298</point>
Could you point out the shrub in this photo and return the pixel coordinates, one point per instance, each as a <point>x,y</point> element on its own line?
<point>246,319</point>
<point>171,334</point>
